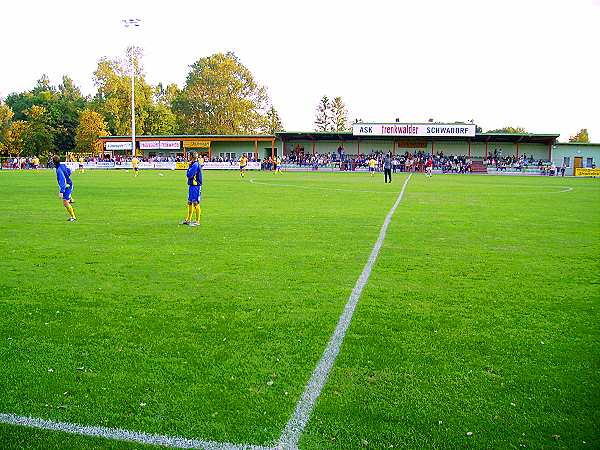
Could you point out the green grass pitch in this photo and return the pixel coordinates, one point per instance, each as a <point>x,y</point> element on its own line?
<point>481,314</point>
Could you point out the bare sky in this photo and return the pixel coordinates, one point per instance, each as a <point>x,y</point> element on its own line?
<point>527,63</point>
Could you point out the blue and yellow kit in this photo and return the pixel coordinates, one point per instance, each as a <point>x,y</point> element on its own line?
<point>63,175</point>
<point>194,177</point>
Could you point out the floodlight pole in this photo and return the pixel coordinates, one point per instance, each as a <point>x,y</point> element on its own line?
<point>132,23</point>
<point>132,107</point>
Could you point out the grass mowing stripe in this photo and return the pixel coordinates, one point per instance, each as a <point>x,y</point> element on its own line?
<point>122,435</point>
<point>291,434</point>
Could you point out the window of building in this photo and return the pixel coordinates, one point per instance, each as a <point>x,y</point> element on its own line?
<point>589,162</point>
<point>227,156</point>
<point>567,161</point>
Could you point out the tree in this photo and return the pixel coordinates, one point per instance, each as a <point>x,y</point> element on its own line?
<point>582,136</point>
<point>509,130</point>
<point>6,115</point>
<point>14,144</point>
<point>221,97</point>
<point>63,105</point>
<point>64,113</point>
<point>113,99</point>
<point>91,127</point>
<point>273,122</point>
<point>39,134</point>
<point>166,95</point>
<point>323,119</point>
<point>161,120</point>
<point>43,84</point>
<point>339,115</point>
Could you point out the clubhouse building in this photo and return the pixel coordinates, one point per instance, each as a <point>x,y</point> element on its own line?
<point>364,139</point>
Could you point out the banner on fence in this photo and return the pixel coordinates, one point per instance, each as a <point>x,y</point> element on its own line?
<point>161,165</point>
<point>587,172</point>
<point>221,166</point>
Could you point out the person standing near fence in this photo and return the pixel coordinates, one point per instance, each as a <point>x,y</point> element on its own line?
<point>429,167</point>
<point>372,166</point>
<point>63,175</point>
<point>243,164</point>
<point>134,165</point>
<point>387,168</point>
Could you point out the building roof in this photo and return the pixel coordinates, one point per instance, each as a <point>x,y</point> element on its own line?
<point>578,143</point>
<point>348,136</point>
<point>479,137</point>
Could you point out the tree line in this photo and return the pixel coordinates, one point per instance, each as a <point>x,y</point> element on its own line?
<point>220,96</point>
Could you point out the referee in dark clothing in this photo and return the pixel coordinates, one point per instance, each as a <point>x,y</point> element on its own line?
<point>387,168</point>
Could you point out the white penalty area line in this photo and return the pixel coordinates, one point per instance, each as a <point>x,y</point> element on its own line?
<point>295,426</point>
<point>122,435</point>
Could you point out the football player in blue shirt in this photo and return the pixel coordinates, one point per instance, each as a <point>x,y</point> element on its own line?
<point>194,181</point>
<point>63,175</point>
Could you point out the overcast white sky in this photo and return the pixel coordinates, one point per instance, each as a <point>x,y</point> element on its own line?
<point>528,63</point>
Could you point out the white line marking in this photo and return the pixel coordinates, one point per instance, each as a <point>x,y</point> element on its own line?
<point>123,435</point>
<point>567,189</point>
<point>295,426</point>
<point>253,181</point>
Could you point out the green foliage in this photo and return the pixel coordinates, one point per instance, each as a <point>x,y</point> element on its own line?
<point>161,120</point>
<point>65,113</point>
<point>581,136</point>
<point>113,99</point>
<point>14,141</point>
<point>166,95</point>
<point>91,127</point>
<point>19,103</point>
<point>62,104</point>
<point>39,133</point>
<point>221,97</point>
<point>6,117</point>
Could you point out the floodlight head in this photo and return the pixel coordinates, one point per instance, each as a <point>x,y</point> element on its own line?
<point>131,23</point>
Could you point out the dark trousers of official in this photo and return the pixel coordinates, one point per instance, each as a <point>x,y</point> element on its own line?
<point>388,174</point>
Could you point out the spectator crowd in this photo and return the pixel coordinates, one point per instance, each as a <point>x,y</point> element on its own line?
<point>406,162</point>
